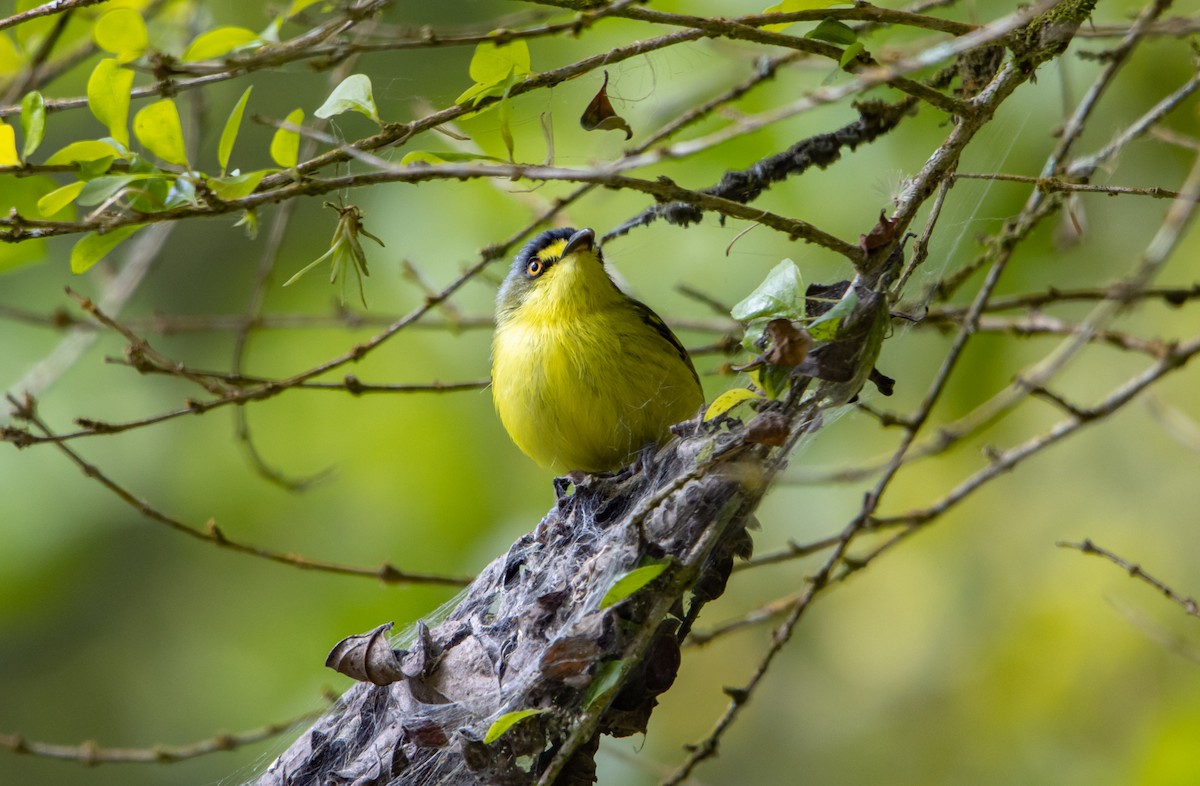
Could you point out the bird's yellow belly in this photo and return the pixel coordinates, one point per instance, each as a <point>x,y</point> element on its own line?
<point>575,401</point>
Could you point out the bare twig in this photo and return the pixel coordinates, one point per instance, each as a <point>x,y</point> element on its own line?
<point>211,533</point>
<point>90,754</point>
<point>1188,604</point>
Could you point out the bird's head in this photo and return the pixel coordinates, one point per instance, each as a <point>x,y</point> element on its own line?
<point>559,269</point>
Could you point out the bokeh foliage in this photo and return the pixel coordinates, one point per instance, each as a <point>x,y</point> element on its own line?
<point>976,652</point>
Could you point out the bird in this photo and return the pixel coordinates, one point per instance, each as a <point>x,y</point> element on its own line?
<point>583,376</point>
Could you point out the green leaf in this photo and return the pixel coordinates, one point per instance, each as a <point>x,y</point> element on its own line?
<point>33,121</point>
<point>631,582</point>
<point>345,251</point>
<point>728,400</point>
<point>495,70</point>
<point>440,157</point>
<point>108,91</point>
<point>825,327</point>
<point>772,380</point>
<point>8,145</point>
<point>84,151</point>
<point>608,676</point>
<point>780,295</point>
<point>100,189</point>
<point>285,145</point>
<point>506,722</point>
<point>158,128</point>
<point>491,63</point>
<point>790,6</point>
<point>59,198</point>
<point>352,95</point>
<point>93,247</point>
<point>236,186</point>
<point>851,52</point>
<point>181,193</point>
<point>121,31</point>
<point>216,43</point>
<point>249,221</point>
<point>834,32</point>
<point>230,132</point>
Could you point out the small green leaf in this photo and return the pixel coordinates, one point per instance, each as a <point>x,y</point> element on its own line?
<point>158,128</point>
<point>834,32</point>
<point>440,157</point>
<point>285,145</point>
<point>506,722</point>
<point>495,70</point>
<point>772,380</point>
<point>249,221</point>
<point>100,189</point>
<point>216,43</point>
<point>59,198</point>
<point>93,247</point>
<point>121,31</point>
<point>781,294</point>
<point>230,132</point>
<point>605,682</point>
<point>270,33</point>
<point>108,91</point>
<point>181,193</point>
<point>8,145</point>
<point>631,582</point>
<point>33,121</point>
<point>825,327</point>
<point>352,95</point>
<point>345,251</point>
<point>236,186</point>
<point>95,167</point>
<point>851,52</point>
<point>84,151</point>
<point>728,400</point>
<point>491,63</point>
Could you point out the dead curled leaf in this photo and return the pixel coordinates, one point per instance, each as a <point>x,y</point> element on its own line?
<point>600,115</point>
<point>768,428</point>
<point>367,657</point>
<point>787,345</point>
<point>880,235</point>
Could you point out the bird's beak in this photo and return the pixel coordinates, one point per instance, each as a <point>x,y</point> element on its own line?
<point>583,239</point>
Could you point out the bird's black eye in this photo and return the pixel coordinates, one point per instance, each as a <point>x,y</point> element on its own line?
<point>535,267</point>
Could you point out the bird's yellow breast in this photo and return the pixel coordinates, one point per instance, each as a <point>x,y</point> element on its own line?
<point>580,379</point>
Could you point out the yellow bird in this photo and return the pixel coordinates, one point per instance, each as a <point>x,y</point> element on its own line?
<point>583,375</point>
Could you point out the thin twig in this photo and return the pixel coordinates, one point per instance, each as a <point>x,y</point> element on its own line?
<point>212,534</point>
<point>1188,604</point>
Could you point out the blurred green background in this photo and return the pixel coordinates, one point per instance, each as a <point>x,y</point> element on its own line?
<point>976,653</point>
